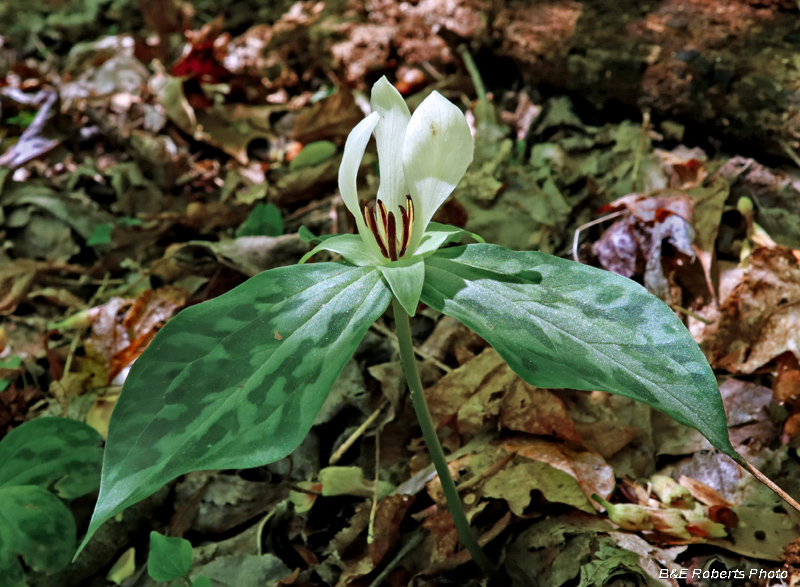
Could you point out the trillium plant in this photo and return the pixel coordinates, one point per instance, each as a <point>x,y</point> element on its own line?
<point>237,381</point>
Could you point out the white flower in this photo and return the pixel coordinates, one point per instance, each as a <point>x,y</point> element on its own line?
<point>421,160</point>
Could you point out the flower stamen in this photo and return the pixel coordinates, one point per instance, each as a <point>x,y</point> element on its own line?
<point>372,224</point>
<point>385,229</point>
<point>391,234</point>
<point>384,219</point>
<point>408,224</point>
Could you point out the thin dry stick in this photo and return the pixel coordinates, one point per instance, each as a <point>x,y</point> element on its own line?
<point>100,290</point>
<point>789,151</point>
<point>487,472</point>
<point>72,348</point>
<point>417,351</point>
<point>357,434</point>
<point>694,315</point>
<point>589,225</point>
<point>416,538</point>
<point>298,489</point>
<point>745,464</point>
<point>374,509</point>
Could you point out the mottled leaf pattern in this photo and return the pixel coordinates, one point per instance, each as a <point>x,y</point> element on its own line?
<point>36,525</point>
<point>57,453</point>
<point>236,382</point>
<point>562,324</point>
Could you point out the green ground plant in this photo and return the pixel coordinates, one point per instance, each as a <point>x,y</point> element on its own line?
<point>43,463</point>
<point>237,381</point>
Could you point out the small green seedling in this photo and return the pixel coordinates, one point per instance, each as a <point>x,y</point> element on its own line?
<point>237,381</point>
<point>264,220</point>
<point>170,560</point>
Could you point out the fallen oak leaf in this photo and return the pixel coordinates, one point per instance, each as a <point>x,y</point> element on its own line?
<point>593,474</point>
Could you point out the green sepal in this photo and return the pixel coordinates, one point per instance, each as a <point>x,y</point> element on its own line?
<point>406,278</point>
<point>562,324</point>
<point>37,526</point>
<point>237,381</point>
<point>169,558</point>
<point>56,453</point>
<point>349,246</point>
<point>352,248</point>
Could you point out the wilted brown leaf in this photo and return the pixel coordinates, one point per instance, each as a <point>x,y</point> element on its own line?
<point>329,119</point>
<point>526,408</point>
<point>123,328</point>
<point>485,388</point>
<point>760,319</point>
<point>634,244</point>
<point>391,511</point>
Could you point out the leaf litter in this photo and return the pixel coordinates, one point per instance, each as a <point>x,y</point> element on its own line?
<point>140,175</point>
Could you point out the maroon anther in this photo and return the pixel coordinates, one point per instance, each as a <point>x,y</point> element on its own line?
<point>386,233</point>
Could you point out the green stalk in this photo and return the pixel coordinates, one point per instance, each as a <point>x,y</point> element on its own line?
<point>465,533</point>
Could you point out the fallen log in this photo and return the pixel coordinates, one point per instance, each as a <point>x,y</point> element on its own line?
<point>732,66</point>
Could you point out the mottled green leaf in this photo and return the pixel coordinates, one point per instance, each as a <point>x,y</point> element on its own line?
<point>237,381</point>
<point>202,581</point>
<point>438,235</point>
<point>349,246</point>
<point>56,453</point>
<point>561,324</point>
<point>170,558</point>
<point>36,525</point>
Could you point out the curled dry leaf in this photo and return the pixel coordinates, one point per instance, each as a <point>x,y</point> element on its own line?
<point>122,328</point>
<point>484,388</point>
<point>633,245</point>
<point>684,167</point>
<point>386,533</point>
<point>329,119</point>
<point>760,319</point>
<point>703,493</point>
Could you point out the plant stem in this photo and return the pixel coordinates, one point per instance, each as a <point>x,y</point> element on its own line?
<point>465,533</point>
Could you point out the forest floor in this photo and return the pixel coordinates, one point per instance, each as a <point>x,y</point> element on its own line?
<point>156,155</point>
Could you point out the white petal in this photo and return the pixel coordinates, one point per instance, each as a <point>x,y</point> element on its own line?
<point>436,153</point>
<point>348,174</point>
<point>389,134</point>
